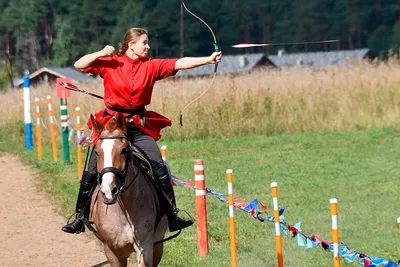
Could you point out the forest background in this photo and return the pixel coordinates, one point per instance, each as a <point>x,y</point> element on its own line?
<point>37,33</point>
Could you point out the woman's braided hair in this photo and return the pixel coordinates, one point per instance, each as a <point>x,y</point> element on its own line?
<point>130,36</point>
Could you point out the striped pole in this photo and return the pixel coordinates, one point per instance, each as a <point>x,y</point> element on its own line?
<point>79,137</point>
<point>64,126</point>
<point>164,153</point>
<point>201,210</point>
<point>27,114</point>
<point>335,232</point>
<point>232,229</point>
<point>278,236</point>
<point>38,130</point>
<point>52,131</point>
<point>398,224</point>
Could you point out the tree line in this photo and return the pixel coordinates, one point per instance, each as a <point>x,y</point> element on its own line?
<point>36,33</point>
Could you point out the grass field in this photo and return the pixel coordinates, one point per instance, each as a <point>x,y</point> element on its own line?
<point>320,134</point>
<point>359,168</point>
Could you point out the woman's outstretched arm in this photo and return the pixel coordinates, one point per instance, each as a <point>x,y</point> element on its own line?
<point>193,62</point>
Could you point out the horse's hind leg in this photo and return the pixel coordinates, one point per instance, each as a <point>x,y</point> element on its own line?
<point>113,260</point>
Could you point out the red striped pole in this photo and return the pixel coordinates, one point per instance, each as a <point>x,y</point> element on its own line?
<point>164,153</point>
<point>232,229</point>
<point>52,131</point>
<point>201,210</point>
<point>38,130</point>
<point>335,232</point>
<point>278,236</point>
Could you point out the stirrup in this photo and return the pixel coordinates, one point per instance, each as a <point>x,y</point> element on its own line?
<point>176,223</point>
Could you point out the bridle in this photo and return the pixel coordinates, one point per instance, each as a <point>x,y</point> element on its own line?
<point>121,183</point>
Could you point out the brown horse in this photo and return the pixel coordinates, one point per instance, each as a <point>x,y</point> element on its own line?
<point>129,218</point>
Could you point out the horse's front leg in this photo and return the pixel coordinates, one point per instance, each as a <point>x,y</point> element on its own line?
<point>144,254</point>
<point>157,254</point>
<point>113,260</point>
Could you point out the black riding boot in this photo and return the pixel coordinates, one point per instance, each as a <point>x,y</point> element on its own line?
<point>164,180</point>
<point>85,190</point>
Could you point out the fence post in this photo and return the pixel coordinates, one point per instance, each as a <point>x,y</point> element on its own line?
<point>201,210</point>
<point>79,137</point>
<point>335,231</point>
<point>398,225</point>
<point>164,153</point>
<point>64,127</point>
<point>27,113</point>
<point>278,236</point>
<point>38,130</point>
<point>232,229</point>
<point>52,131</point>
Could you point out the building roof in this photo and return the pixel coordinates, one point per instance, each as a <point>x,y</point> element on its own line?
<point>59,72</point>
<point>318,60</point>
<point>231,64</point>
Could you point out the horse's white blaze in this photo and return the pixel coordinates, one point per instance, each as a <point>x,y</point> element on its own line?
<point>108,177</point>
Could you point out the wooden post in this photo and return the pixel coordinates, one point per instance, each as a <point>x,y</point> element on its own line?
<point>232,229</point>
<point>278,236</point>
<point>335,232</point>
<point>201,210</point>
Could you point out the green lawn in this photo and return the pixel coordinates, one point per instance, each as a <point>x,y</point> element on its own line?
<point>360,169</point>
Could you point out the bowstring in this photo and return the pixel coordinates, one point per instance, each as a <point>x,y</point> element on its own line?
<point>216,65</point>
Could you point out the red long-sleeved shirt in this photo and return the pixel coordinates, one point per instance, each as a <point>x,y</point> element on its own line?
<point>129,84</point>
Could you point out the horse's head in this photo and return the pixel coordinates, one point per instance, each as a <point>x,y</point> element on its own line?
<point>112,151</point>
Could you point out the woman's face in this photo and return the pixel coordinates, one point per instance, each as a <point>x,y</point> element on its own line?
<point>141,47</point>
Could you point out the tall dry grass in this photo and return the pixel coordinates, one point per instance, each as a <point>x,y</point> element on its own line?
<point>265,102</point>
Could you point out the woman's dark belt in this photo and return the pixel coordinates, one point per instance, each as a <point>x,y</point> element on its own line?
<point>131,112</point>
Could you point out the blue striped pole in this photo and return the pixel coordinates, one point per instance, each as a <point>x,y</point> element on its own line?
<point>27,114</point>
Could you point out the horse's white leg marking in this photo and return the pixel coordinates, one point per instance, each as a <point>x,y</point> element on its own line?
<point>108,177</point>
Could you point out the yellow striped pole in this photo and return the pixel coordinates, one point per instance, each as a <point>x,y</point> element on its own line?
<point>52,131</point>
<point>79,137</point>
<point>335,232</point>
<point>164,153</point>
<point>278,236</point>
<point>398,224</point>
<point>232,229</point>
<point>38,130</point>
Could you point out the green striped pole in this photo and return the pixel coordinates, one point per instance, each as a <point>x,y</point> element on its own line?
<point>64,126</point>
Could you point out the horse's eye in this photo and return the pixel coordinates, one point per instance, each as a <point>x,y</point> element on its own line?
<point>124,151</point>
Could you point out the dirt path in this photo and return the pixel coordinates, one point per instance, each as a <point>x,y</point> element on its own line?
<point>30,230</point>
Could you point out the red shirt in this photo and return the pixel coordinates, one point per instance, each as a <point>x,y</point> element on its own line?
<point>128,83</point>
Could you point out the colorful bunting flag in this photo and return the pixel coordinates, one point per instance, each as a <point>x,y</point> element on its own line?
<point>295,230</point>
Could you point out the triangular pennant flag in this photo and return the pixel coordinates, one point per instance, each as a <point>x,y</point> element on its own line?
<point>366,262</point>
<point>264,208</point>
<point>300,241</point>
<point>377,261</point>
<point>251,205</point>
<point>309,243</point>
<point>351,256</point>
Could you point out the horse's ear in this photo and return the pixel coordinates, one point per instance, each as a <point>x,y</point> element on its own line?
<point>121,122</point>
<point>97,126</point>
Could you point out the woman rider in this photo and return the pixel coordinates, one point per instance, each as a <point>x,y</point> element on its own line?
<point>129,78</point>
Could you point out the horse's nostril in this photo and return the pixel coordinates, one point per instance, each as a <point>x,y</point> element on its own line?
<point>114,190</point>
